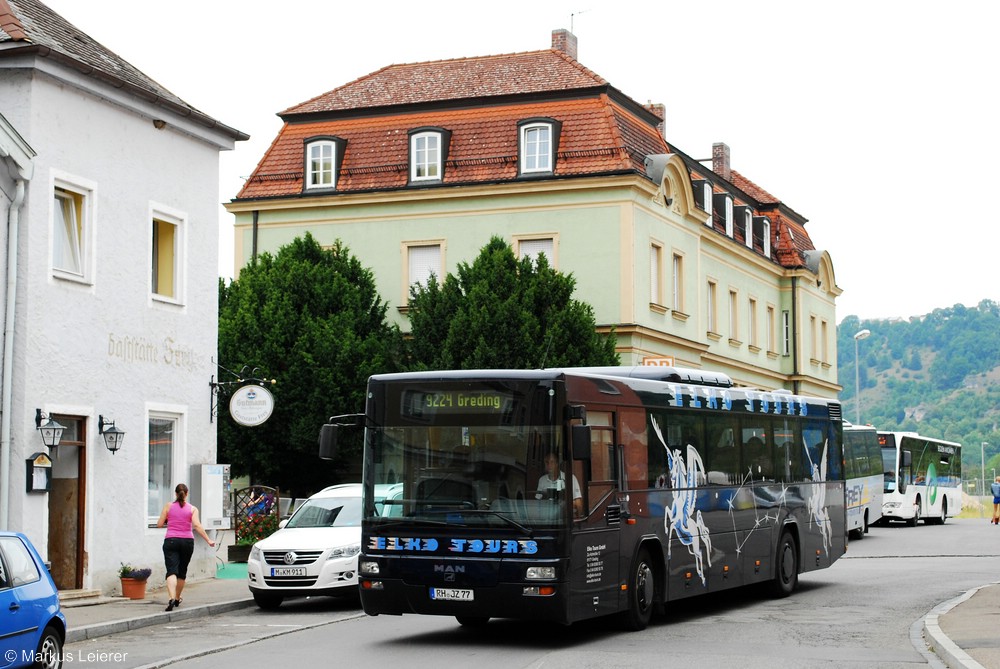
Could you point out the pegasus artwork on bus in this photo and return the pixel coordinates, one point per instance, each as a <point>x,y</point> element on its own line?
<point>568,494</point>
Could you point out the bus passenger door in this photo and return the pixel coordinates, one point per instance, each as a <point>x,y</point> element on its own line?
<point>594,578</point>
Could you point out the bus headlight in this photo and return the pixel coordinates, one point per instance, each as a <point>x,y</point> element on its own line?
<point>540,573</point>
<point>369,568</point>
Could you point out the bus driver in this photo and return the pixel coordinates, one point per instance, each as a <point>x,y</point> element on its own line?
<point>553,479</point>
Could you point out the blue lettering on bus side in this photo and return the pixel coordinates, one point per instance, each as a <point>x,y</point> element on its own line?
<point>420,545</point>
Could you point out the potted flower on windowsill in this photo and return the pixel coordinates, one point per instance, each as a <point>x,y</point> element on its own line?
<point>133,580</point>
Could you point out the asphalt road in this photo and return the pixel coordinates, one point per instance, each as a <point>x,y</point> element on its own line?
<point>863,612</point>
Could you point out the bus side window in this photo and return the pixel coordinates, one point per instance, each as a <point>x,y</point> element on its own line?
<point>722,459</point>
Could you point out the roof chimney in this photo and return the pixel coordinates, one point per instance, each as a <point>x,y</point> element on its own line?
<point>720,161</point>
<point>565,41</point>
<point>660,111</point>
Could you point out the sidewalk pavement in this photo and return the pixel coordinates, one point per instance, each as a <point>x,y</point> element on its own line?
<point>962,632</point>
<point>96,617</point>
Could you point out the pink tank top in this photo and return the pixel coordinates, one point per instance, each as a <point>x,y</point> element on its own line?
<point>179,521</point>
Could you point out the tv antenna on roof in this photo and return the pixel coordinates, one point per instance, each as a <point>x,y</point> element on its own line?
<point>571,16</point>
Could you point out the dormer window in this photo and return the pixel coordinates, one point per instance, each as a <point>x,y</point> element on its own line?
<point>702,189</point>
<point>723,203</point>
<point>762,230</point>
<point>538,141</point>
<point>744,219</point>
<point>324,156</point>
<point>428,152</point>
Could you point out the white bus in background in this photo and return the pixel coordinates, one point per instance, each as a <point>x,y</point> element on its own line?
<point>864,480</point>
<point>923,478</point>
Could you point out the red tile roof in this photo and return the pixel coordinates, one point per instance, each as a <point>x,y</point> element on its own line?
<point>483,145</point>
<point>518,74</point>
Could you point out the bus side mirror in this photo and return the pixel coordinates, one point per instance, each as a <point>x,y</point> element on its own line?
<point>328,442</point>
<point>580,435</point>
<point>906,458</point>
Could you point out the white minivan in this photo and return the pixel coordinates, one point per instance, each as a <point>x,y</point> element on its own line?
<point>314,553</point>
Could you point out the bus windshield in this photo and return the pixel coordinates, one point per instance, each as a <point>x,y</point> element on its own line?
<point>473,476</point>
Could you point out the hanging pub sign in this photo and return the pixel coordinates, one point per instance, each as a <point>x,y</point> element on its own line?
<point>251,405</point>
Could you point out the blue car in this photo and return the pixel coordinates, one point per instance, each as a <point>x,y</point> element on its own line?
<point>32,628</point>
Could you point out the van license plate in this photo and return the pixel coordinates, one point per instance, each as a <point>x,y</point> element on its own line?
<point>452,594</point>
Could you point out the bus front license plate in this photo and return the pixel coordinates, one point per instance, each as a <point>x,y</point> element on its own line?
<point>452,594</point>
<point>288,571</point>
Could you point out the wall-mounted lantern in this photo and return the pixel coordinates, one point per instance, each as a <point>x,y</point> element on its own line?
<point>50,430</point>
<point>113,437</point>
<point>39,473</point>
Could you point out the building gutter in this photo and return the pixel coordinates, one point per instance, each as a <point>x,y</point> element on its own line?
<point>13,221</point>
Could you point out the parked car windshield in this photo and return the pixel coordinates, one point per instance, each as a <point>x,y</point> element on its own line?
<point>327,512</point>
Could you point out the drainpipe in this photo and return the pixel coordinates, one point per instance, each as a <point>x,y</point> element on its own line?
<point>253,248</point>
<point>13,219</point>
<point>795,336</point>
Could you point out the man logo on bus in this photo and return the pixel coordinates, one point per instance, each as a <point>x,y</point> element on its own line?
<point>683,517</point>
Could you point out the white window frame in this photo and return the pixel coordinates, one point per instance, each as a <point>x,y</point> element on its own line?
<point>770,329</point>
<point>422,259</point>
<point>538,152</point>
<point>531,247</point>
<point>728,213</point>
<point>748,228</point>
<point>168,215</point>
<point>655,273</point>
<point>708,202</point>
<point>677,282</point>
<point>752,322</point>
<point>81,195</point>
<point>786,332</point>
<point>426,157</point>
<point>178,457</point>
<point>766,233</point>
<point>327,169</point>
<point>710,305</point>
<point>734,313</point>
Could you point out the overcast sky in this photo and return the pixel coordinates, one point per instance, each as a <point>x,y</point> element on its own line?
<point>874,119</point>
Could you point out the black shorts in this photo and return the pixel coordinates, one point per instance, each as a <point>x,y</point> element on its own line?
<point>177,554</point>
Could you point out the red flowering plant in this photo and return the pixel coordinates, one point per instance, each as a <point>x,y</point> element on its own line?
<point>256,516</point>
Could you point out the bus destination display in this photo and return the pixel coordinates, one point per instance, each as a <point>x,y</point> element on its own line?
<point>420,402</point>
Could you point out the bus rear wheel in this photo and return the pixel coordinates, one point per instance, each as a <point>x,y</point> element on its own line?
<point>641,593</point>
<point>786,567</point>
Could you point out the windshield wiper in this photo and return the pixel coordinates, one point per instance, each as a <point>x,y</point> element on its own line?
<point>409,520</point>
<point>507,519</point>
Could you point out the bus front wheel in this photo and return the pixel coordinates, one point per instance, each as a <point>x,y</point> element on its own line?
<point>641,593</point>
<point>786,567</point>
<point>472,621</point>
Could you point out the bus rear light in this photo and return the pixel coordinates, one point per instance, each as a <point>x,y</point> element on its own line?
<point>371,585</point>
<point>756,566</point>
<point>630,521</point>
<point>725,571</point>
<point>539,591</point>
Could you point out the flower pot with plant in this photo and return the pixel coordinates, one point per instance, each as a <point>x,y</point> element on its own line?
<point>133,580</point>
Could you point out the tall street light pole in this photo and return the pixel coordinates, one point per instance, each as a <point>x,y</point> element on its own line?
<point>982,454</point>
<point>859,335</point>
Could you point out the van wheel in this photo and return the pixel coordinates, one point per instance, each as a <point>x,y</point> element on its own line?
<point>266,601</point>
<point>641,593</point>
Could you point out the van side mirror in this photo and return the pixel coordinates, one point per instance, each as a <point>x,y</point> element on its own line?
<point>580,436</point>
